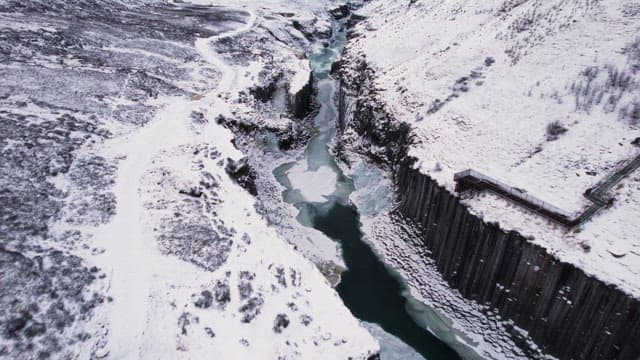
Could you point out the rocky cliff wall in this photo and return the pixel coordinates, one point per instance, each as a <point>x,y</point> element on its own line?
<point>567,313</point>
<point>302,103</point>
<point>299,104</point>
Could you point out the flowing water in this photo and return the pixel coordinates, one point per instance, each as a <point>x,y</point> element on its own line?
<point>374,293</point>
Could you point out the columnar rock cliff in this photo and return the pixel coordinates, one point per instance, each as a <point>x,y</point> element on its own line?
<point>301,103</point>
<point>568,313</point>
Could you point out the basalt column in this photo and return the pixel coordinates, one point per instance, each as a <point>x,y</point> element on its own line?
<point>567,313</point>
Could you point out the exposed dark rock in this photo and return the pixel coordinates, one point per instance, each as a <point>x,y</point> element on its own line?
<point>295,277</point>
<point>554,130</point>
<point>222,293</point>
<point>198,118</point>
<point>340,12</point>
<point>14,325</point>
<point>307,33</point>
<point>305,319</point>
<point>281,322</point>
<point>246,238</point>
<point>237,126</point>
<point>184,321</point>
<point>301,103</point>
<point>354,20</point>
<point>265,93</point>
<point>280,275</point>
<point>335,67</point>
<point>193,192</point>
<point>251,308</point>
<point>489,61</point>
<point>386,140</point>
<point>244,284</point>
<point>210,332</point>
<point>205,300</point>
<point>35,329</point>
<point>242,174</point>
<point>568,313</point>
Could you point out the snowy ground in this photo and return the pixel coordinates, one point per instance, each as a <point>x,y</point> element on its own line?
<point>481,82</point>
<point>122,230</point>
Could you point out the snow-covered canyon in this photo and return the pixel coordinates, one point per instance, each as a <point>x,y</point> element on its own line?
<point>275,179</point>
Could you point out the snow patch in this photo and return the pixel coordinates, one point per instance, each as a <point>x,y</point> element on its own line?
<point>314,186</point>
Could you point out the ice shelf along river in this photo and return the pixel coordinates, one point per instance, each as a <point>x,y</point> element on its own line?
<point>375,293</point>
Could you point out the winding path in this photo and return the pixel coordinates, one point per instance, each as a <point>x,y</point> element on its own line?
<point>131,256</point>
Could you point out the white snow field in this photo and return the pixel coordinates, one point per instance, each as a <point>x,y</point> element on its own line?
<point>481,82</point>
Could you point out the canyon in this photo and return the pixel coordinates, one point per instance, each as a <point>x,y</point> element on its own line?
<point>276,179</point>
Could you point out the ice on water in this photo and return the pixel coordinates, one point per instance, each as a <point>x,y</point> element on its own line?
<point>314,185</point>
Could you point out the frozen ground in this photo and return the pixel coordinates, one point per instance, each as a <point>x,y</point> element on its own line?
<point>122,234</point>
<point>542,95</point>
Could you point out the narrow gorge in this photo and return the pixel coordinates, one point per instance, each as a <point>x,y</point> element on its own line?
<point>283,179</point>
<point>317,187</point>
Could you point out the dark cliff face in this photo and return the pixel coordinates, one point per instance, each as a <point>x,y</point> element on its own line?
<point>386,141</point>
<point>301,104</point>
<point>567,313</point>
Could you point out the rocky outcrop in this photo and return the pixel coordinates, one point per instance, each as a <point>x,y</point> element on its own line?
<point>340,12</point>
<point>301,103</point>
<point>265,93</point>
<point>242,174</point>
<point>360,114</point>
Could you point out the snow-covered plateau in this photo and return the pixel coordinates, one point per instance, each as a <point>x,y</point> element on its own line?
<point>542,99</point>
<point>541,95</point>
